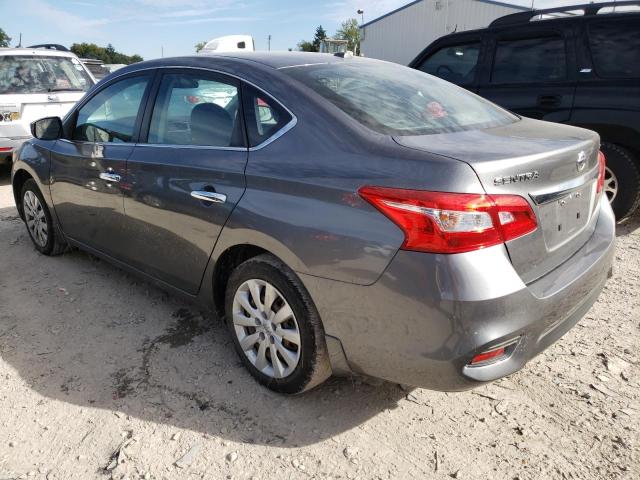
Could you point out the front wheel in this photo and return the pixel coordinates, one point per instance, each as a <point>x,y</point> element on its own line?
<point>44,235</point>
<point>275,327</point>
<point>621,180</point>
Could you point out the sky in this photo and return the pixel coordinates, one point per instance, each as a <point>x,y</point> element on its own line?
<point>152,28</point>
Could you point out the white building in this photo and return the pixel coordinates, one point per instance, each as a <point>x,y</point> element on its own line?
<point>400,35</point>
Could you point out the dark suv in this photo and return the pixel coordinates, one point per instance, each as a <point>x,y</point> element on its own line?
<point>578,65</point>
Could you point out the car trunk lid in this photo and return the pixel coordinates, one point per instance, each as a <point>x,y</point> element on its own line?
<point>553,166</point>
<point>19,110</point>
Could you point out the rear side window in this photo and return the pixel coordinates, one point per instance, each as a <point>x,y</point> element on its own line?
<point>456,64</point>
<point>530,60</point>
<point>615,48</point>
<point>110,116</point>
<point>193,109</point>
<point>264,115</point>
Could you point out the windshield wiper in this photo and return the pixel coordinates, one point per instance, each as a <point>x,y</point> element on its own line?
<point>65,89</point>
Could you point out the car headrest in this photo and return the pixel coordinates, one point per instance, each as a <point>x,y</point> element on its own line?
<point>211,125</point>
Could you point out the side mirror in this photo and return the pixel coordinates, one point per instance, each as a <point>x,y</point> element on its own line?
<point>49,128</point>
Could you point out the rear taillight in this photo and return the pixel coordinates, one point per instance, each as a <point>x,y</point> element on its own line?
<point>440,222</point>
<point>602,163</point>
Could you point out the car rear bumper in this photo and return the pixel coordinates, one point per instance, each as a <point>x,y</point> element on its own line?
<point>428,315</point>
<point>9,145</point>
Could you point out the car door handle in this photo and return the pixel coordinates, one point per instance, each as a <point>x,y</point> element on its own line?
<point>110,177</point>
<point>549,100</point>
<point>209,196</point>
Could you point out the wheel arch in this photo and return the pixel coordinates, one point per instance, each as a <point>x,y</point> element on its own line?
<point>20,177</point>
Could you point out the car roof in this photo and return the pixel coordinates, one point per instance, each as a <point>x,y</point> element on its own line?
<point>282,59</point>
<point>36,52</point>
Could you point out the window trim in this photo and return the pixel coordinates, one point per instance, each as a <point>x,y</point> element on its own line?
<point>70,119</point>
<point>156,73</point>
<point>529,35</point>
<point>471,41</point>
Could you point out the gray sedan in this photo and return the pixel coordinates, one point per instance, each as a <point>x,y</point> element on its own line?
<point>343,215</point>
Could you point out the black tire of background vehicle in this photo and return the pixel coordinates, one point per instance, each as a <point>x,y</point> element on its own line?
<point>313,367</point>
<point>55,241</point>
<point>626,168</point>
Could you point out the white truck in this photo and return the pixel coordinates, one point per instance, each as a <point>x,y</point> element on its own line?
<point>230,43</point>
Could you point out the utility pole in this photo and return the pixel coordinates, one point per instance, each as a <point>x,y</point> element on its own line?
<point>161,51</point>
<point>269,43</point>
<point>20,41</point>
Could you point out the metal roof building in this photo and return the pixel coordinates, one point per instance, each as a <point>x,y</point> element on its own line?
<point>401,34</point>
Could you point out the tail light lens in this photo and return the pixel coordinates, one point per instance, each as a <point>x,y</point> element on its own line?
<point>439,222</point>
<point>602,163</point>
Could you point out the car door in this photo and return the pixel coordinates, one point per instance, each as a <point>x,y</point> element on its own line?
<point>88,166</point>
<point>531,72</point>
<point>185,175</point>
<point>457,61</point>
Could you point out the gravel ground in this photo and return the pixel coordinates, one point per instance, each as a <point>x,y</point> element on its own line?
<point>104,376</point>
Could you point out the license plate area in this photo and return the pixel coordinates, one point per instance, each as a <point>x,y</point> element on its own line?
<point>9,116</point>
<point>567,215</point>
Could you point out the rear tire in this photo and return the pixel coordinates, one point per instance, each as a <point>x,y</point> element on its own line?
<point>287,356</point>
<point>43,232</point>
<point>622,180</point>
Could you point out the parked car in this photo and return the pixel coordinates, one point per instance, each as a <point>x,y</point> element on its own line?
<point>578,65</point>
<point>36,83</point>
<point>97,67</point>
<point>343,214</point>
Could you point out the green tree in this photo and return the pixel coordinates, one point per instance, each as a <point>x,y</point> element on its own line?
<point>305,46</point>
<point>320,35</point>
<point>199,46</point>
<point>4,39</point>
<point>107,55</point>
<point>349,31</point>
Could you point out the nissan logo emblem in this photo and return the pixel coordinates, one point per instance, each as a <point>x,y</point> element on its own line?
<point>582,161</point>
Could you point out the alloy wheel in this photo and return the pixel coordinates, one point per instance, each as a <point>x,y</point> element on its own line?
<point>266,328</point>
<point>35,218</point>
<point>610,184</point>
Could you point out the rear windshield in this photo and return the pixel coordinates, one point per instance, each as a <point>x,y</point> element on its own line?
<point>20,74</point>
<point>396,100</point>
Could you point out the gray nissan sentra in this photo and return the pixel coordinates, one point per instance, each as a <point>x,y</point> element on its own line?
<point>344,215</point>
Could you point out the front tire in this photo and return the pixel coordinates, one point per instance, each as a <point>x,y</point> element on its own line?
<point>42,230</point>
<point>275,327</point>
<point>622,180</point>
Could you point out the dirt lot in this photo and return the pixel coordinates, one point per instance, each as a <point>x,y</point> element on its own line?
<point>105,376</point>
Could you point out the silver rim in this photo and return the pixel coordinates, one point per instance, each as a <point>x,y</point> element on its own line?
<point>36,220</point>
<point>610,184</point>
<point>266,328</point>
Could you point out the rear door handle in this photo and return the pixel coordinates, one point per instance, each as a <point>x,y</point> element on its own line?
<point>209,196</point>
<point>110,177</point>
<point>549,100</point>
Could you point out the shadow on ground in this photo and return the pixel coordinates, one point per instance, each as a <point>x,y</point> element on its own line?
<point>78,330</point>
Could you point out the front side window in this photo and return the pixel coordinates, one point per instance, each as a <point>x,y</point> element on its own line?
<point>456,64</point>
<point>264,115</point>
<point>615,48</point>
<point>110,116</point>
<point>530,60</point>
<point>192,109</point>
<point>20,74</point>
<point>396,100</point>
